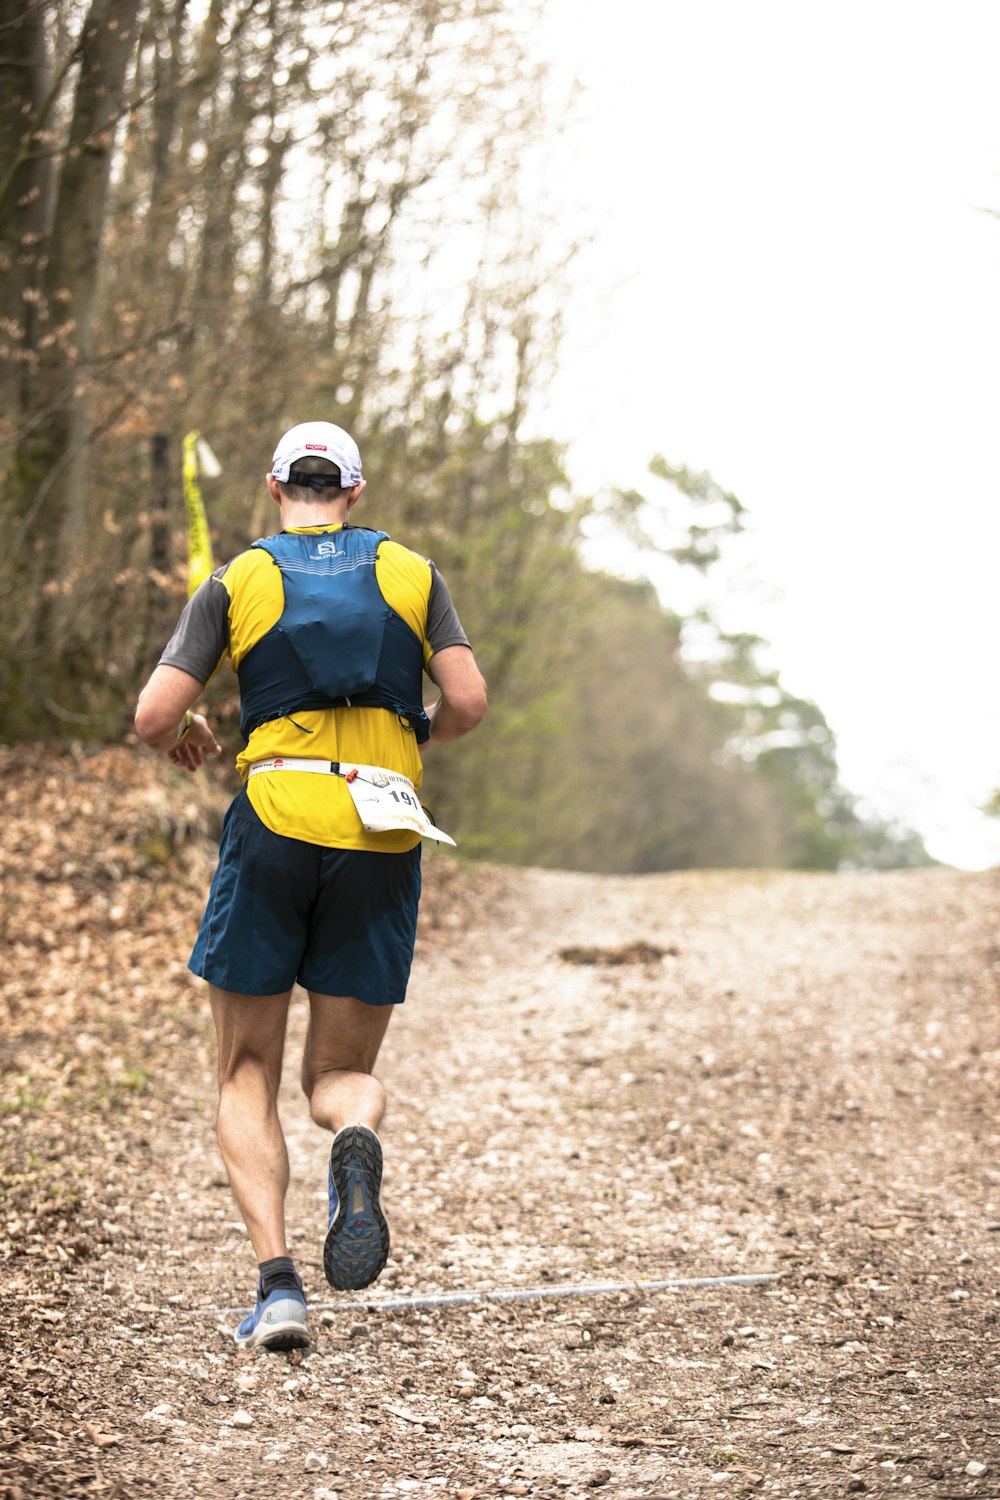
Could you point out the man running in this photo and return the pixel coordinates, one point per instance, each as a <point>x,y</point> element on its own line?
<point>329,628</point>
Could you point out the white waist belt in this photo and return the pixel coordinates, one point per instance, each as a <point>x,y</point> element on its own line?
<point>292,763</point>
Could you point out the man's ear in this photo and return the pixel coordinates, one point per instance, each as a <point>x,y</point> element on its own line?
<point>354,493</point>
<point>273,489</point>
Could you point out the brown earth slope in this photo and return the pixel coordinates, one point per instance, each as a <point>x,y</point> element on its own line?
<point>595,1080</point>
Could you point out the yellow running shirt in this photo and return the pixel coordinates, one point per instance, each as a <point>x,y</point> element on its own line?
<point>229,614</point>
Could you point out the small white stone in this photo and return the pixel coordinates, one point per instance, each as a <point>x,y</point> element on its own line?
<point>960,1295</point>
<point>314,1462</point>
<point>975,1469</point>
<point>241,1418</point>
<point>247,1381</point>
<point>158,1413</point>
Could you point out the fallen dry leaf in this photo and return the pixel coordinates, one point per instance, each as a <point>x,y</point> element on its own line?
<point>102,1439</point>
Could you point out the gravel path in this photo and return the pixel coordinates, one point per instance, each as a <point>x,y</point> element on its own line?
<point>594,1080</point>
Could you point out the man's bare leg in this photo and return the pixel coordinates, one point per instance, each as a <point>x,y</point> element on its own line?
<point>251,1037</point>
<point>342,1044</point>
<point>344,1096</point>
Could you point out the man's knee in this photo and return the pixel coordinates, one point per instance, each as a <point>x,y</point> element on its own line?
<point>344,1034</point>
<point>341,1095</point>
<point>316,1073</point>
<point>250,1033</point>
<point>250,1072</point>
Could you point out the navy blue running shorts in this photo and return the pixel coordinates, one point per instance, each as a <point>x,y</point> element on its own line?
<point>339,921</point>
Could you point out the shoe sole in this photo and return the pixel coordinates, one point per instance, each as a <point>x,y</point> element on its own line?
<point>281,1337</point>
<point>357,1242</point>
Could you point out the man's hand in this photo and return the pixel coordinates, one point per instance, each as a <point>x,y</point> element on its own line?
<point>193,748</point>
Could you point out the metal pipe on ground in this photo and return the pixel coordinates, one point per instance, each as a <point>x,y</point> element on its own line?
<point>515,1294</point>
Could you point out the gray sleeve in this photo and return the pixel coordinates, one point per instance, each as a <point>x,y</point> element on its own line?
<point>201,638</point>
<point>444,628</point>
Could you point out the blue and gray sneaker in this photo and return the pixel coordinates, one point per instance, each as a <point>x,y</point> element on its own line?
<point>277,1322</point>
<point>357,1236</point>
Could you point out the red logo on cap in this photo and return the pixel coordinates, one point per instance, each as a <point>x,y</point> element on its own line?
<point>320,447</point>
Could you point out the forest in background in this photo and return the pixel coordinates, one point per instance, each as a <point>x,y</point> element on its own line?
<point>232,216</point>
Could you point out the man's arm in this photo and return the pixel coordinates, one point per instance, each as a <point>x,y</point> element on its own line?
<point>163,720</point>
<point>194,651</point>
<point>462,703</point>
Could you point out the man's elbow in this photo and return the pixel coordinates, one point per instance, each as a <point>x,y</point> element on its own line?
<point>464,709</point>
<point>144,726</point>
<point>472,709</point>
<point>151,723</point>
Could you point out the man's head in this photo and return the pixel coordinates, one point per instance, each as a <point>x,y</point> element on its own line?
<point>316,461</point>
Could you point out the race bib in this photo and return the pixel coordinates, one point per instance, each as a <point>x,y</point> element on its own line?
<point>386,800</point>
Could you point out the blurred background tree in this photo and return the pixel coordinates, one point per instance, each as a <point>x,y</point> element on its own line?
<point>237,216</point>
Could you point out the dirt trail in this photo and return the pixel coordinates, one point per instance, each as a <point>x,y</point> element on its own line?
<point>594,1079</point>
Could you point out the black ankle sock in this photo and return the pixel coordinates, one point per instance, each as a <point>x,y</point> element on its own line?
<point>279,1272</point>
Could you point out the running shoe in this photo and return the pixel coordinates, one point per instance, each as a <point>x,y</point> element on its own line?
<point>357,1236</point>
<point>277,1322</point>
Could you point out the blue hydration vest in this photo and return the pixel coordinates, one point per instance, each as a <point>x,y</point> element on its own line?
<point>337,644</point>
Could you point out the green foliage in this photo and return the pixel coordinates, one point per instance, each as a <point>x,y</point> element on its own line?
<point>175,274</point>
<point>786,741</point>
<point>692,533</point>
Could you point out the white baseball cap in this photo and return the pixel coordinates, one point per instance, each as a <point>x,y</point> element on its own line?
<point>318,440</point>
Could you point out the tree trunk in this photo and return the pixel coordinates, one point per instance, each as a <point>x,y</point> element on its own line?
<point>27,91</point>
<point>46,481</point>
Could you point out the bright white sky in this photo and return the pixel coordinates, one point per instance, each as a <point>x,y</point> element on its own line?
<point>795,283</point>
